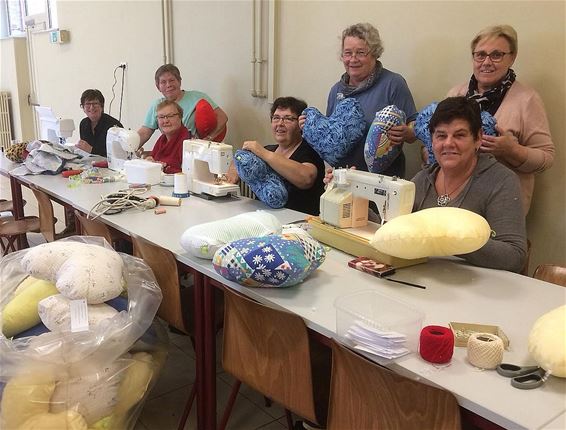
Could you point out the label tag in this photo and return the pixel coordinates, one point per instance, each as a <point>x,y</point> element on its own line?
<point>79,315</point>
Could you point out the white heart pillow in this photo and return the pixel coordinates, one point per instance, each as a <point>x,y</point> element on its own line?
<point>432,232</point>
<point>203,240</point>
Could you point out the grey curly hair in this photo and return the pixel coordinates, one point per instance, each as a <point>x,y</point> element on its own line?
<point>367,33</point>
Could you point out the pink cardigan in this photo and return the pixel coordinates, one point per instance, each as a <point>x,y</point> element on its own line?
<point>522,112</point>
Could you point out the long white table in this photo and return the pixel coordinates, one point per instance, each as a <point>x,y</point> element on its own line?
<point>455,292</point>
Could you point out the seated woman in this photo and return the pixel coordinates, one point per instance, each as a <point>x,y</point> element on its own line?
<point>466,178</point>
<point>94,127</point>
<point>524,143</point>
<point>168,82</point>
<point>168,149</point>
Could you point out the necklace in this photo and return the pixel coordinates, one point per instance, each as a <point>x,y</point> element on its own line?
<point>444,199</point>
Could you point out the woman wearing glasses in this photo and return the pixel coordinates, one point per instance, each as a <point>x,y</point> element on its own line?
<point>168,149</point>
<point>524,143</point>
<point>94,127</point>
<point>374,87</point>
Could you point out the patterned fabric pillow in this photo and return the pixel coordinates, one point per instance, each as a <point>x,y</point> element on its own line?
<point>423,134</point>
<point>279,260</point>
<point>378,151</point>
<point>335,137</point>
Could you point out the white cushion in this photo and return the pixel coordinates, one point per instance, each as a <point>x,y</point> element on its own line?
<point>432,232</point>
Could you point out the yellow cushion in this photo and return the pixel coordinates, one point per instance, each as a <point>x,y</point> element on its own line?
<point>547,341</point>
<point>23,397</point>
<point>20,313</point>
<point>67,420</point>
<point>432,232</point>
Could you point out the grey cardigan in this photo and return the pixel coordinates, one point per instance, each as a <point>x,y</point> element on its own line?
<point>493,192</point>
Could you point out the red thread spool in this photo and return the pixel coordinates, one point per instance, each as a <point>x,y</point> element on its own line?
<point>436,344</point>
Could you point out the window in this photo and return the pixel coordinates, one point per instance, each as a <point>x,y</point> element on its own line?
<point>41,14</point>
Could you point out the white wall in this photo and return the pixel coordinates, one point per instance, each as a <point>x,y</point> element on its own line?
<point>427,42</point>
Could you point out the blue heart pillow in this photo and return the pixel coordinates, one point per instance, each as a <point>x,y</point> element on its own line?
<point>379,152</point>
<point>278,260</point>
<point>266,184</point>
<point>423,134</point>
<point>336,136</point>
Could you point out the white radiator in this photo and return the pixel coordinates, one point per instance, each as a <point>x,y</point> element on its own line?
<point>5,121</point>
<point>246,191</point>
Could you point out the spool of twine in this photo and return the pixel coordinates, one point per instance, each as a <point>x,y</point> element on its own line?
<point>436,344</point>
<point>485,350</point>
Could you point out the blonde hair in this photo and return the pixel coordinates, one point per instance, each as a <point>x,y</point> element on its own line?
<point>369,34</point>
<point>495,31</point>
<point>165,103</point>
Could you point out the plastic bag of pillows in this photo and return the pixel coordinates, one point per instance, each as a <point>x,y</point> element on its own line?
<point>278,260</point>
<point>423,133</point>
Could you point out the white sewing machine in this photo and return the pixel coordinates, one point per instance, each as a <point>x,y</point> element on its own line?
<point>205,163</point>
<point>52,128</point>
<point>343,221</point>
<point>121,145</point>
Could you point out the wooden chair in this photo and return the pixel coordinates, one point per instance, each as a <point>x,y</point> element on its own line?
<point>177,306</point>
<point>551,273</point>
<point>11,229</point>
<point>364,395</point>
<point>91,227</point>
<point>47,219</point>
<point>270,350</point>
<point>8,205</point>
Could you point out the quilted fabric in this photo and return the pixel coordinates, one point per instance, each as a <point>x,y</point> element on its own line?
<point>266,184</point>
<point>280,260</point>
<point>379,153</point>
<point>423,134</point>
<point>335,137</point>
<point>16,152</point>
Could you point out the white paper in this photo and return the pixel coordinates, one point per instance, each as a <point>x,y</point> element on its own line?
<point>79,315</point>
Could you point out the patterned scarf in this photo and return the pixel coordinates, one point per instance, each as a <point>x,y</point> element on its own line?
<point>347,90</point>
<point>491,99</point>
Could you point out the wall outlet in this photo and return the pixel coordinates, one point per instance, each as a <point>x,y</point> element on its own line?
<point>123,65</point>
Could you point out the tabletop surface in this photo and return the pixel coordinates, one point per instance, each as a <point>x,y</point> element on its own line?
<point>455,292</point>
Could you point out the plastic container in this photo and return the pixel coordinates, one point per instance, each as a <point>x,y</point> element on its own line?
<point>379,312</point>
<point>142,172</point>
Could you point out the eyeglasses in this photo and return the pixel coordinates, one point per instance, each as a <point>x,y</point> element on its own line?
<point>169,116</point>
<point>359,54</point>
<point>286,119</point>
<point>91,104</point>
<point>495,56</point>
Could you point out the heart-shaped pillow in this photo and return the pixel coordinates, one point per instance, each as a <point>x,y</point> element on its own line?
<point>335,136</point>
<point>205,121</point>
<point>379,153</point>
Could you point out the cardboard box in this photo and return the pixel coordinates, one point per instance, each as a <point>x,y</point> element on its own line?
<point>462,332</point>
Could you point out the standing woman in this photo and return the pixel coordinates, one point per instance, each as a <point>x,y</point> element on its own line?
<point>94,127</point>
<point>374,87</point>
<point>524,143</point>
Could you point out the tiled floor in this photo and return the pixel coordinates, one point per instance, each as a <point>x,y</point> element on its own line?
<point>166,401</point>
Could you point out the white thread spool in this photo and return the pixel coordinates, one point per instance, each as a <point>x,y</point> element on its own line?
<point>485,350</point>
<point>180,184</point>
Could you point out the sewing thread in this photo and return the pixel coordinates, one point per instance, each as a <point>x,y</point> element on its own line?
<point>485,350</point>
<point>436,344</point>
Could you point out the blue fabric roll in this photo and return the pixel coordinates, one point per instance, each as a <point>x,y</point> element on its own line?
<point>423,134</point>
<point>266,184</point>
<point>379,153</point>
<point>335,136</point>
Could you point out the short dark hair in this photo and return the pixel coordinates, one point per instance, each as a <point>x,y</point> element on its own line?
<point>167,68</point>
<point>453,108</point>
<point>92,94</point>
<point>297,106</point>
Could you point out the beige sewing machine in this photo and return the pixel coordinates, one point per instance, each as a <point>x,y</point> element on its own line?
<point>343,221</point>
<point>205,163</point>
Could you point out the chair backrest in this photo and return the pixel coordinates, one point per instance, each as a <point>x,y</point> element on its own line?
<point>90,227</point>
<point>46,216</point>
<point>364,395</point>
<point>551,273</point>
<point>164,266</point>
<point>268,349</point>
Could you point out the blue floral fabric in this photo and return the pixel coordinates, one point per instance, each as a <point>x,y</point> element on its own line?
<point>279,260</point>
<point>379,153</point>
<point>266,184</point>
<point>423,134</point>
<point>335,136</point>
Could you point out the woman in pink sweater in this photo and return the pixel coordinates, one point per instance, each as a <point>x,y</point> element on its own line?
<point>524,143</point>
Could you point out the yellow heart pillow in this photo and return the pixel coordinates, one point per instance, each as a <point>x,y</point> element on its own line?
<point>547,341</point>
<point>68,420</point>
<point>432,232</point>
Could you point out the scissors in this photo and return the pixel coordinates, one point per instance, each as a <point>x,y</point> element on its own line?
<point>523,377</point>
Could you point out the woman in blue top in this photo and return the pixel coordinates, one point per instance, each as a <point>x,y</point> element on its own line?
<point>374,87</point>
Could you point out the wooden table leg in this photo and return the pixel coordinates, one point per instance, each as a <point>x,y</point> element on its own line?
<point>198,279</point>
<point>209,344</point>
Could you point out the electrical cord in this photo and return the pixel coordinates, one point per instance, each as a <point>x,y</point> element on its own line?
<point>120,201</point>
<point>113,94</point>
<point>122,92</point>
